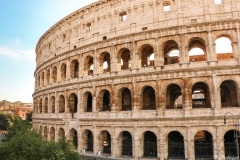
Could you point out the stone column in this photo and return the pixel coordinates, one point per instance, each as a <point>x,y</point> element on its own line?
<point>160,56</point>
<point>56,133</point>
<point>68,69</point>
<point>211,55</point>
<point>66,102</point>
<point>95,62</point>
<point>238,42</point>
<point>58,72</point>
<point>216,100</point>
<point>96,142</point>
<point>79,107</point>
<point>183,55</point>
<point>79,136</point>
<point>190,145</point>
<point>220,144</point>
<point>113,58</point>
<point>114,147</point>
<point>187,96</point>
<point>135,101</point>
<point>56,103</point>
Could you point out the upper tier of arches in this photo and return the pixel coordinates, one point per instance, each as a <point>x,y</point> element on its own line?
<point>142,55</point>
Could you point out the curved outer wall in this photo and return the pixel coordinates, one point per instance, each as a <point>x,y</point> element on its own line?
<point>68,49</point>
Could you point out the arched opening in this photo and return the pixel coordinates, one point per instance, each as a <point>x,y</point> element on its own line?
<point>61,104</point>
<point>224,48</point>
<point>73,103</point>
<point>46,105</point>
<point>40,106</point>
<point>105,142</point>
<point>52,134</point>
<point>146,53</point>
<point>73,137</point>
<point>150,144</point>
<point>105,62</point>
<point>175,145</point>
<point>89,102</point>
<point>171,52</point>
<point>126,143</point>
<point>174,97</point>
<point>197,50</point>
<point>88,65</point>
<point>63,71</point>
<point>45,133</point>
<point>229,94</point>
<point>106,101</point>
<point>125,59</point>
<point>200,96</point>
<point>149,101</point>
<point>42,79</point>
<point>88,141</point>
<point>48,77</point>
<point>74,69</point>
<point>61,133</point>
<point>54,74</point>
<point>230,144</point>
<point>203,145</point>
<point>126,100</point>
<point>38,81</point>
<point>53,104</point>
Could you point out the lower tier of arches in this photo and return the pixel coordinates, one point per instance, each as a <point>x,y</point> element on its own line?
<point>192,139</point>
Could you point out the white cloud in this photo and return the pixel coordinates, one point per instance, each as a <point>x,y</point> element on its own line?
<point>18,53</point>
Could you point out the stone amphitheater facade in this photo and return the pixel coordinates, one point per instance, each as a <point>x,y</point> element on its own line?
<point>118,78</point>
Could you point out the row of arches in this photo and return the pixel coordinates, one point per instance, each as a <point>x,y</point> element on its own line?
<point>197,51</point>
<point>203,143</point>
<point>200,97</point>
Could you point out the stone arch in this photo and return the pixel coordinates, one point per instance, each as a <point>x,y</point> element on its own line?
<point>230,143</point>
<point>48,77</point>
<point>146,51</point>
<point>61,133</point>
<point>45,132</point>
<point>88,65</point>
<point>61,106</point>
<point>229,94</point>
<point>125,99</point>
<point>42,79</point>
<point>148,98</point>
<point>46,105</point>
<point>73,104</point>
<point>52,134</point>
<point>87,102</point>
<point>104,100</point>
<point>73,136</point>
<point>74,68</point>
<point>63,71</point>
<point>201,95</point>
<point>105,142</point>
<point>203,144</point>
<point>105,62</point>
<point>171,52</point>
<point>39,82</point>
<point>176,145</point>
<point>40,106</point>
<point>125,143</point>
<point>173,97</point>
<point>52,104</point>
<point>197,43</point>
<point>124,59</point>
<point>54,74</point>
<point>224,47</point>
<point>87,140</point>
<point>148,142</point>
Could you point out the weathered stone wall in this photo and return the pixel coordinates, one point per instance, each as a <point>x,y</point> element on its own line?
<point>67,50</point>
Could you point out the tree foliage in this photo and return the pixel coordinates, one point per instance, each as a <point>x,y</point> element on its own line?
<point>6,120</point>
<point>24,143</point>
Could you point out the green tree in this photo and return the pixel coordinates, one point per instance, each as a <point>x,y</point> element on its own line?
<point>6,120</point>
<point>24,143</point>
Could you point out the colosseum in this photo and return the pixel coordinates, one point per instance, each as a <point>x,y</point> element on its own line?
<point>142,79</point>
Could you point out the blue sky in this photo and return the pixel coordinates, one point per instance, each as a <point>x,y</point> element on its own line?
<point>22,22</point>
